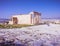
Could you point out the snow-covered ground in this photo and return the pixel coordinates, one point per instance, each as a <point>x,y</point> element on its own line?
<point>39,35</point>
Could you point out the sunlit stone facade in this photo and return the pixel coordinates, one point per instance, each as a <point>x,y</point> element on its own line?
<point>31,18</point>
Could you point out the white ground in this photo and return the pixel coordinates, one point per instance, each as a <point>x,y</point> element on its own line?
<point>39,35</point>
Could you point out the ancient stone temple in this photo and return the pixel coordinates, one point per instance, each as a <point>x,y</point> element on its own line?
<point>31,18</point>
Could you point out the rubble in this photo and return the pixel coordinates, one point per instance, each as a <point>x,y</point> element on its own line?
<point>41,35</point>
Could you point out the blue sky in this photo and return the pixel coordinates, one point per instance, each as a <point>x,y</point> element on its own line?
<point>48,8</point>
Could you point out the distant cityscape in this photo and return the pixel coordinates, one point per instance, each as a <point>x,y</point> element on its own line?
<point>6,19</point>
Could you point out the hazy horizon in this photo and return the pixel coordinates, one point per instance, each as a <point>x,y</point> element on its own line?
<point>48,8</point>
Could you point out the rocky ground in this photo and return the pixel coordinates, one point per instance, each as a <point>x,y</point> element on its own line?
<point>39,35</point>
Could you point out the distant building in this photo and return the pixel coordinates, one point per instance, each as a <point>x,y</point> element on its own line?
<point>54,21</point>
<point>31,18</point>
